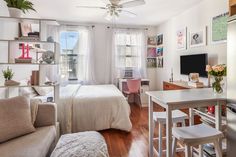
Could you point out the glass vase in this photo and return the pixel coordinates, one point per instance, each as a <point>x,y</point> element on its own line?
<point>218,85</point>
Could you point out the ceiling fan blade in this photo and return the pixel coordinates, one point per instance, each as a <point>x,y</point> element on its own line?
<point>127,13</point>
<point>132,3</point>
<point>91,7</point>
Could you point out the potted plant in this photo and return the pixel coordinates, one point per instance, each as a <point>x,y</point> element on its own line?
<point>8,75</point>
<point>16,7</point>
<point>218,72</point>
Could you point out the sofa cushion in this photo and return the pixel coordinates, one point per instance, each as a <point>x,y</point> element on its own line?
<point>36,144</point>
<point>34,108</point>
<point>15,118</point>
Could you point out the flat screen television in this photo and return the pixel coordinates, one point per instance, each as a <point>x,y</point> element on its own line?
<point>194,64</point>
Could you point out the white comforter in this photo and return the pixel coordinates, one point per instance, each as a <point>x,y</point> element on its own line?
<point>94,107</point>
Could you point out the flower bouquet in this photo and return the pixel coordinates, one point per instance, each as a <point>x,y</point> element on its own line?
<point>218,72</point>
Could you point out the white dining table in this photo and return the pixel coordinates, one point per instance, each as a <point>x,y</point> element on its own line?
<point>182,99</point>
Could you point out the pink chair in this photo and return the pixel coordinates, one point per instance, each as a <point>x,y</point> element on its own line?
<point>133,89</point>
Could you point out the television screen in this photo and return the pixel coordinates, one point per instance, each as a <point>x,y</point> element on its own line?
<point>194,64</point>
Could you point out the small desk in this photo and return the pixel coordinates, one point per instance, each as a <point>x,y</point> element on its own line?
<point>143,89</point>
<point>182,99</point>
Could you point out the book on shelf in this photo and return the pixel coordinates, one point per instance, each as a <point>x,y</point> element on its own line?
<point>23,60</point>
<point>30,38</point>
<point>196,84</point>
<point>35,77</point>
<point>35,34</point>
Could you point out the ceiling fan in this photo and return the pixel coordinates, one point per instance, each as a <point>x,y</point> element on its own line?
<point>114,8</point>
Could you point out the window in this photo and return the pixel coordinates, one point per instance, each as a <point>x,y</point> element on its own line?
<point>127,50</point>
<point>69,54</point>
<point>76,54</point>
<point>130,50</point>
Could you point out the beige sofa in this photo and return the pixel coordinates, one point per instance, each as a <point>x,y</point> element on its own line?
<point>39,143</point>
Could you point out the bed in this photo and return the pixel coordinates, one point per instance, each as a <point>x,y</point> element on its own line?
<point>93,108</point>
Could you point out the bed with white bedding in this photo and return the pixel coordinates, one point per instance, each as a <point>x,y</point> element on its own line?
<point>93,108</point>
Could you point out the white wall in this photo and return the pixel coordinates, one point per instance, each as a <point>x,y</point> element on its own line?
<point>152,72</point>
<point>195,18</point>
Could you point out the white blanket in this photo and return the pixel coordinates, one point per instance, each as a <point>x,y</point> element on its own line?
<point>92,108</point>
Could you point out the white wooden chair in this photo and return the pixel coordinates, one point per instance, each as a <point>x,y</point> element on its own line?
<point>197,135</point>
<point>159,118</point>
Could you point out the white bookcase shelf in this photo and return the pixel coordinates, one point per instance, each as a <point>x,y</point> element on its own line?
<point>28,20</point>
<point>10,49</point>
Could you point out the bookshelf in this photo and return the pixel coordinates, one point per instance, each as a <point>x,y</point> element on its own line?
<point>11,42</point>
<point>155,51</point>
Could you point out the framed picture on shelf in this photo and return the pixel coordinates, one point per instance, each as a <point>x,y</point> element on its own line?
<point>219,28</point>
<point>25,28</point>
<point>151,52</point>
<point>181,39</point>
<point>152,41</point>
<point>159,51</point>
<point>159,39</point>
<point>151,62</point>
<point>198,38</point>
<point>160,62</point>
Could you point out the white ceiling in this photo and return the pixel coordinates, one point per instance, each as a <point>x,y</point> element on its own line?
<point>152,13</point>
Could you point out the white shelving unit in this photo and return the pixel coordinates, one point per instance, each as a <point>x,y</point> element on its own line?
<point>9,50</point>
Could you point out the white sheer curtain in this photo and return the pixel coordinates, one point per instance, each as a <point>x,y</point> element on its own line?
<point>110,68</point>
<point>84,48</point>
<point>128,52</point>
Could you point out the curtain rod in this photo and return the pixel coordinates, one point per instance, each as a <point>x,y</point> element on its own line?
<point>73,25</point>
<point>127,28</point>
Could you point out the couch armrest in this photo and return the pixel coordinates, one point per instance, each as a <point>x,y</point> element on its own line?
<point>47,115</point>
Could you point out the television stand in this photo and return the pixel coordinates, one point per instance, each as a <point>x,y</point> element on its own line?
<point>177,85</point>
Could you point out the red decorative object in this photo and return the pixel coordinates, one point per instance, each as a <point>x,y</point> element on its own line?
<point>211,109</point>
<point>25,54</point>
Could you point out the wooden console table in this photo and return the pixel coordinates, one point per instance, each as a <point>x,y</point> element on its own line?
<point>177,85</point>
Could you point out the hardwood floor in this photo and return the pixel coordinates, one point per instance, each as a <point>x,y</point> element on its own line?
<point>135,143</point>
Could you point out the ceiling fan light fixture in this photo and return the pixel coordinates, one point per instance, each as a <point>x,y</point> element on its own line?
<point>112,14</point>
<point>115,7</point>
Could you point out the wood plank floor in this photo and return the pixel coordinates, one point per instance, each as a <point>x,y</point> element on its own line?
<point>135,143</point>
